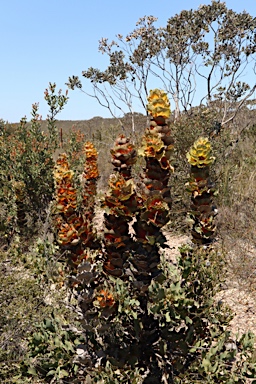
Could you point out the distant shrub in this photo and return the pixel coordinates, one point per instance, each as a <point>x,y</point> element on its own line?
<point>26,174</point>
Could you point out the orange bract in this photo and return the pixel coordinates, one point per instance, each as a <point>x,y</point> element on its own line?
<point>91,167</point>
<point>105,299</point>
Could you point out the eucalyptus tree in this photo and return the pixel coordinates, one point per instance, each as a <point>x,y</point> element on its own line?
<point>201,57</point>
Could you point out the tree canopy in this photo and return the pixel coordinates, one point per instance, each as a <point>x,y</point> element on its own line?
<point>204,56</point>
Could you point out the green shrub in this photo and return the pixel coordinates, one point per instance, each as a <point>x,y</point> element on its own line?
<point>145,318</point>
<point>154,317</point>
<point>26,176</point>
<point>51,351</point>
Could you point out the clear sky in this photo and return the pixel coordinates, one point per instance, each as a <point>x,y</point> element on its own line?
<point>50,40</point>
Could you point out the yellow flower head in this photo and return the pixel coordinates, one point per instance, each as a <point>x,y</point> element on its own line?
<point>158,104</point>
<point>199,154</point>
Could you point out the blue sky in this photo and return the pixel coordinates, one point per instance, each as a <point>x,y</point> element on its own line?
<point>50,40</point>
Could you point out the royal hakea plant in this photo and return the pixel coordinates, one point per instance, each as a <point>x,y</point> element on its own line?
<point>154,193</point>
<point>74,226</point>
<point>90,177</point>
<point>148,205</point>
<point>143,315</point>
<point>120,207</point>
<point>201,188</point>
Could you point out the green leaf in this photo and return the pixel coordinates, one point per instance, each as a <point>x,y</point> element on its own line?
<point>69,346</point>
<point>57,341</point>
<point>75,368</point>
<point>48,323</point>
<point>134,315</point>
<point>37,337</point>
<point>63,373</point>
<point>51,372</point>
<point>206,364</point>
<point>151,239</point>
<point>32,371</point>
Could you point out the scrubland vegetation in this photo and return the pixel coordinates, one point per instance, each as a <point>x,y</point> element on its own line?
<point>89,291</point>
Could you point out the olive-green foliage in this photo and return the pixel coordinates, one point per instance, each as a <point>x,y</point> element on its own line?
<point>51,351</point>
<point>112,375</point>
<point>26,154</point>
<point>8,208</point>
<point>175,333</point>
<point>219,358</point>
<point>31,284</point>
<point>21,303</point>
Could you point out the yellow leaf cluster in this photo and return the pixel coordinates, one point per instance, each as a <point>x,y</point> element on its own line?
<point>158,104</point>
<point>199,154</point>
